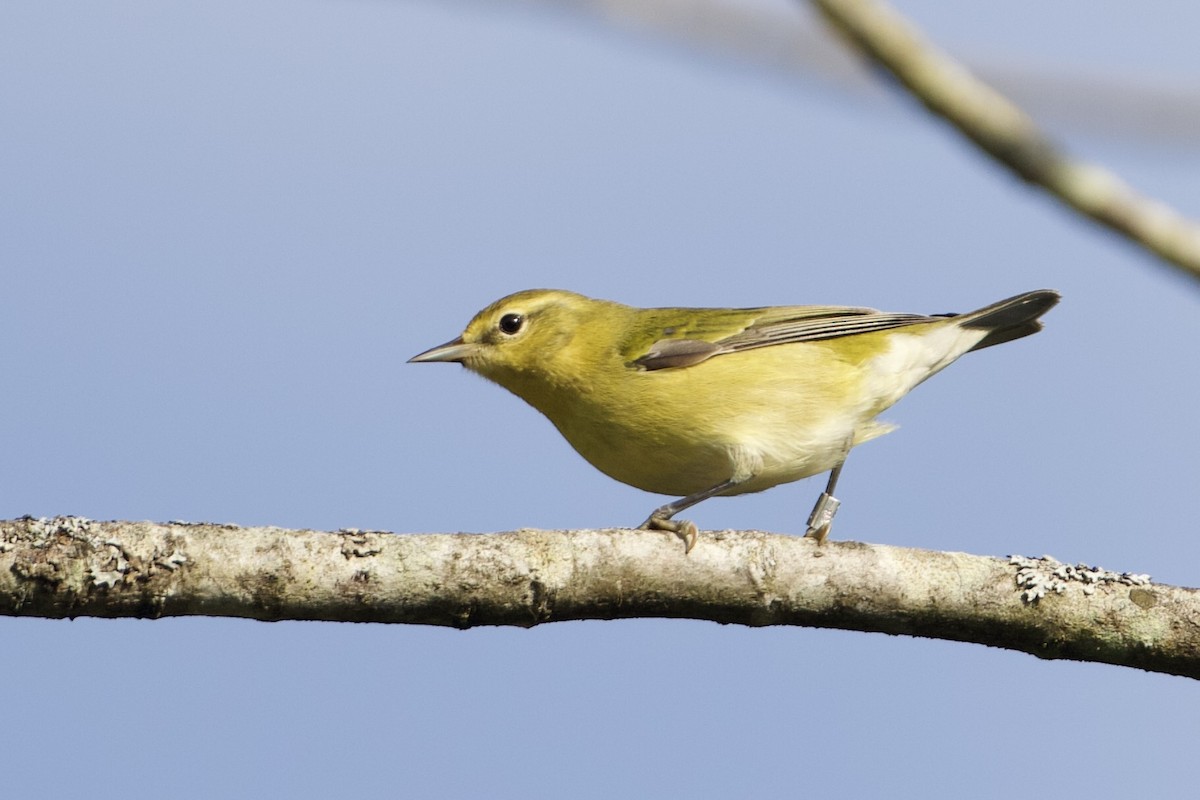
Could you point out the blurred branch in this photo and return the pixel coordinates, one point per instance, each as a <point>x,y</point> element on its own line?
<point>776,35</point>
<point>1006,133</point>
<point>69,567</point>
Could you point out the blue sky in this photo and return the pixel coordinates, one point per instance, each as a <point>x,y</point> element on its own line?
<point>228,224</point>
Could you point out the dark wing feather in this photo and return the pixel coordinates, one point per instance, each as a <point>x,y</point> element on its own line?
<point>668,353</point>
<point>817,328</point>
<point>687,340</point>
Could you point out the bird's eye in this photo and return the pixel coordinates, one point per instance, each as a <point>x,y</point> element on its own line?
<point>511,323</point>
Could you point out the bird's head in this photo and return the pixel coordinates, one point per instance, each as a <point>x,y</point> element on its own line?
<point>532,338</point>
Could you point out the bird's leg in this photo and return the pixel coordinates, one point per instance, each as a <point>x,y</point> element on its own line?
<point>660,518</point>
<point>821,517</point>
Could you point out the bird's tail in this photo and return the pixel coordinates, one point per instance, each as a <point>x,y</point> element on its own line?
<point>1010,319</point>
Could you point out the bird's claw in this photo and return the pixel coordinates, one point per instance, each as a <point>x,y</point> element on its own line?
<point>683,528</point>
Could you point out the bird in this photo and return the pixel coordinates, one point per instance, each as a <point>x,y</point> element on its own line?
<point>704,402</point>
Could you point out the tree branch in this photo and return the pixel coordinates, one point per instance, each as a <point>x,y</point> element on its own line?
<point>998,126</point>
<point>69,567</point>
<point>771,36</point>
<point>1006,133</point>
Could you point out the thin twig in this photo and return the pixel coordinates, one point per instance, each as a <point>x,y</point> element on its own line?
<point>1009,135</point>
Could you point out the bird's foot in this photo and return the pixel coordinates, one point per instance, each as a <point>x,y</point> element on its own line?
<point>684,529</point>
<point>821,518</point>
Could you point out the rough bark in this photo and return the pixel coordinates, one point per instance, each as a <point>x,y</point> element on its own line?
<point>70,567</point>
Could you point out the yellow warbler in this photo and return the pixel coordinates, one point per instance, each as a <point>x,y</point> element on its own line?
<point>699,402</point>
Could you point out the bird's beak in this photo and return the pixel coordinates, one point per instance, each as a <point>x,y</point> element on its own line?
<point>454,350</point>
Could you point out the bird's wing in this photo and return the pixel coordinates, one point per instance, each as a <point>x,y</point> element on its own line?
<point>683,337</point>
